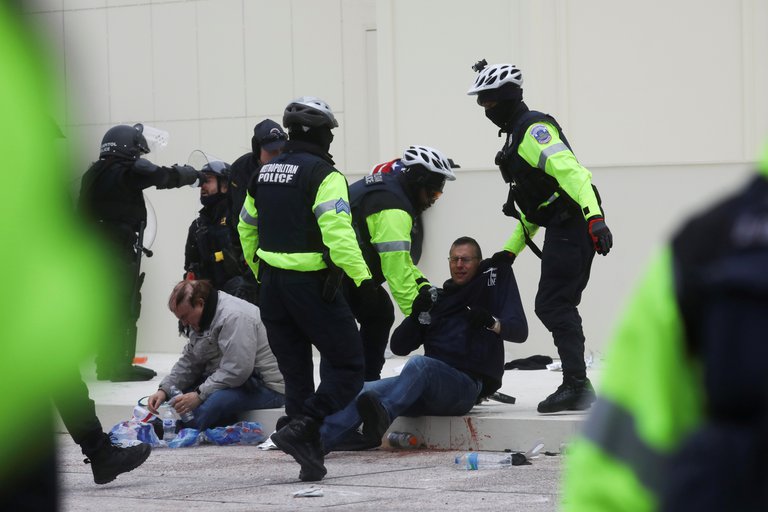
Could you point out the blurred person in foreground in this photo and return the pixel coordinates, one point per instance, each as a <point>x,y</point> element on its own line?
<point>52,271</point>
<point>681,420</point>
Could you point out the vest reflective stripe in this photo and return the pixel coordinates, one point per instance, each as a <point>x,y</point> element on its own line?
<point>298,261</point>
<point>612,428</point>
<point>393,246</point>
<point>247,217</point>
<point>333,205</point>
<point>548,152</point>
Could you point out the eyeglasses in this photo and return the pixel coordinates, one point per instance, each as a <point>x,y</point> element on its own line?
<point>463,259</point>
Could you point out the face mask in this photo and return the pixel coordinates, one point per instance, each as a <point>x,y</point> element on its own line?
<point>325,138</point>
<point>501,113</point>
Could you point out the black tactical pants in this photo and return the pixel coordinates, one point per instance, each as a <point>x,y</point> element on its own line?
<point>565,265</point>
<point>375,325</point>
<point>78,412</point>
<point>297,318</point>
<point>117,353</point>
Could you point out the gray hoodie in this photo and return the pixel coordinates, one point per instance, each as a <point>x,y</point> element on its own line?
<point>226,353</point>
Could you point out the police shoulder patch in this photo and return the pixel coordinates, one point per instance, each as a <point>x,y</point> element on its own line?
<point>541,134</point>
<point>343,206</point>
<point>372,179</point>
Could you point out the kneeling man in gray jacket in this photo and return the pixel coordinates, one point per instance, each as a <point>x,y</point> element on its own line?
<point>226,367</point>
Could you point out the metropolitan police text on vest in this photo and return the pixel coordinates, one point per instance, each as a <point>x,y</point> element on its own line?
<point>278,173</point>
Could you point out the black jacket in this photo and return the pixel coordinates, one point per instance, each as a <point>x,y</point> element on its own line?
<point>478,352</point>
<point>213,247</point>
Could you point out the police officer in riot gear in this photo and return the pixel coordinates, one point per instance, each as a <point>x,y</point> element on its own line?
<point>548,188</point>
<point>302,222</point>
<point>111,195</point>
<point>384,206</point>
<point>213,248</point>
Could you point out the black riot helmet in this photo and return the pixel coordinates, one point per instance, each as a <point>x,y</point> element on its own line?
<point>220,169</point>
<point>124,141</point>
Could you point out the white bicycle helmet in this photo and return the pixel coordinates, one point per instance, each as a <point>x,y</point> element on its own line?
<point>493,77</point>
<point>432,159</point>
<point>309,111</point>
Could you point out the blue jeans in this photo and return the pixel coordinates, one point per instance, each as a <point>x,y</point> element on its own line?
<point>223,406</point>
<point>424,387</point>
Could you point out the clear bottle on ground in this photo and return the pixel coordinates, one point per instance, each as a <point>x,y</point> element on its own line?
<point>402,440</point>
<point>187,416</point>
<point>489,460</point>
<point>169,422</point>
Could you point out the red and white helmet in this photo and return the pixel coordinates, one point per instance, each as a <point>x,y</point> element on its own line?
<point>431,158</point>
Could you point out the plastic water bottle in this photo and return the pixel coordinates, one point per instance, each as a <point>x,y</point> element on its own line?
<point>142,415</point>
<point>476,460</point>
<point>424,317</point>
<point>187,416</point>
<point>169,422</point>
<point>402,440</point>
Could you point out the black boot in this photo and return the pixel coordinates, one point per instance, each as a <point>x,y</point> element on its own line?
<point>353,442</point>
<point>301,440</point>
<point>375,418</point>
<point>109,460</point>
<point>281,422</point>
<point>131,373</point>
<point>573,394</point>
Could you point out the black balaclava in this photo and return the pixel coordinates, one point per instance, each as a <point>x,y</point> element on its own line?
<point>321,136</point>
<point>417,177</point>
<point>508,97</point>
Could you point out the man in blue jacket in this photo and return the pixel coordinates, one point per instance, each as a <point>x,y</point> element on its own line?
<point>478,308</point>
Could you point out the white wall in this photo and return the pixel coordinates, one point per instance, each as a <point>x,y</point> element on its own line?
<point>664,102</point>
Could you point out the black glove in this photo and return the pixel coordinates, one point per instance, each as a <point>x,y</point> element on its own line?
<point>499,259</point>
<point>368,296</point>
<point>509,210</point>
<point>502,258</point>
<point>423,301</point>
<point>479,317</point>
<point>600,234</point>
<point>188,175</point>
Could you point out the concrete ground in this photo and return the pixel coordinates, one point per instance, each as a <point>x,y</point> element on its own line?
<point>245,478</point>
<point>228,478</point>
